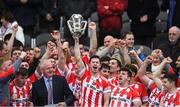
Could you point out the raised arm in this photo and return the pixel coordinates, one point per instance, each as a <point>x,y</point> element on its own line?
<point>61,56</point>
<point>93,39</point>
<point>135,55</point>
<point>157,74</point>
<point>79,60</point>
<point>123,49</point>
<point>105,50</point>
<point>142,71</point>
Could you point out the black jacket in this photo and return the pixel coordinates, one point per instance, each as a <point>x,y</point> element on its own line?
<point>171,50</point>
<point>83,7</point>
<point>25,14</point>
<point>61,92</point>
<point>138,8</point>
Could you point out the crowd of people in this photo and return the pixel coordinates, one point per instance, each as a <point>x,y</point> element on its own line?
<point>111,72</point>
<point>113,75</point>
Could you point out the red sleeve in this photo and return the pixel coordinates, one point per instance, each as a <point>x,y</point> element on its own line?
<point>101,10</point>
<point>119,6</point>
<point>85,59</point>
<point>4,74</point>
<point>33,78</point>
<point>177,100</point>
<point>144,95</point>
<point>178,83</point>
<point>152,86</point>
<point>135,94</point>
<point>86,74</point>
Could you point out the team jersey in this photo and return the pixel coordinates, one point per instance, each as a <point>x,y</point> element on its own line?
<point>141,89</point>
<point>155,95</point>
<point>4,74</point>
<point>93,90</point>
<point>123,97</point>
<point>113,81</point>
<point>20,96</point>
<point>171,100</point>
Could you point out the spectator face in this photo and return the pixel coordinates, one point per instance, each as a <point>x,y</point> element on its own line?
<point>54,53</point>
<point>48,69</point>
<point>113,66</point>
<point>156,60</point>
<point>15,55</point>
<point>123,77</point>
<point>174,35</point>
<point>20,80</point>
<point>95,65</point>
<point>4,22</point>
<point>81,47</point>
<point>167,84</point>
<point>54,64</point>
<point>24,65</point>
<point>107,40</point>
<point>6,65</point>
<point>105,72</point>
<point>178,62</point>
<point>4,51</point>
<point>30,56</point>
<point>129,40</point>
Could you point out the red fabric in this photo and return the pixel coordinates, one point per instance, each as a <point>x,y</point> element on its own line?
<point>4,74</point>
<point>33,78</point>
<point>110,18</point>
<point>178,83</point>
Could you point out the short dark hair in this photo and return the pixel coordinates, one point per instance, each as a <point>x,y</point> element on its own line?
<point>105,58</point>
<point>131,68</point>
<point>126,33</point>
<point>1,44</point>
<point>105,66</point>
<point>172,77</point>
<point>8,16</point>
<point>94,56</point>
<point>17,43</point>
<point>118,62</point>
<point>127,70</point>
<point>21,71</point>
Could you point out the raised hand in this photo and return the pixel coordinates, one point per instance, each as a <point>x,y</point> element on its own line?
<point>37,52</point>
<point>56,34</point>
<point>23,55</point>
<point>148,59</point>
<point>92,25</point>
<point>167,60</point>
<point>133,53</point>
<point>50,46</point>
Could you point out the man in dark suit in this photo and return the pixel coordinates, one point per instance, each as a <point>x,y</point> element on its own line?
<point>51,89</point>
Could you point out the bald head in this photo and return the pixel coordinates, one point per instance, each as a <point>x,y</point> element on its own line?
<point>107,40</point>
<point>174,34</point>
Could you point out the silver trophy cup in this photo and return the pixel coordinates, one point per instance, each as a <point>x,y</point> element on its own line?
<point>77,25</point>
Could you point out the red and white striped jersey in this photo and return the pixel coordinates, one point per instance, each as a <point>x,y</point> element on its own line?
<point>123,97</point>
<point>20,95</point>
<point>93,90</point>
<point>142,91</point>
<point>155,95</point>
<point>113,82</point>
<point>74,84</point>
<point>171,100</point>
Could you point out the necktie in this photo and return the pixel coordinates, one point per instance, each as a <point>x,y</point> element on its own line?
<point>49,91</point>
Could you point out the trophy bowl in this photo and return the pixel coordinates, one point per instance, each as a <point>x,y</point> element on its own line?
<point>77,25</point>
